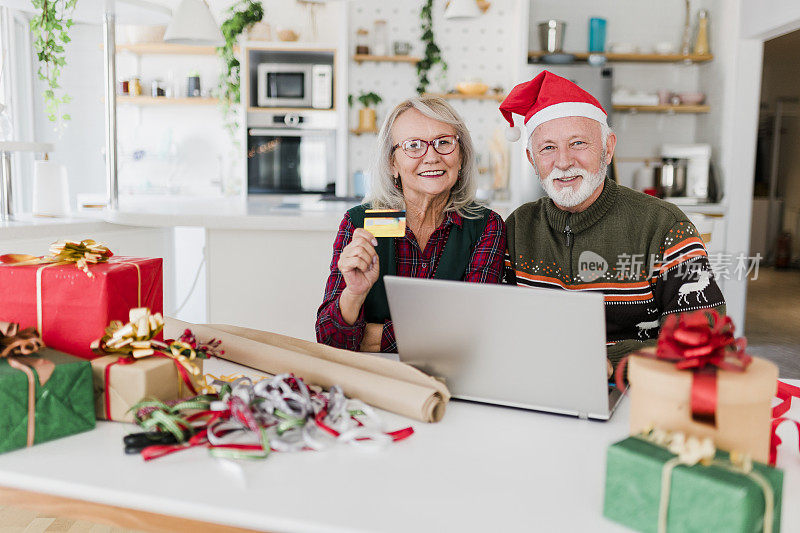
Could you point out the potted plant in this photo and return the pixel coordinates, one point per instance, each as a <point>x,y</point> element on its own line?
<point>367,117</point>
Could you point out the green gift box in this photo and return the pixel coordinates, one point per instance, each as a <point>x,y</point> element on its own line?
<point>701,498</point>
<point>64,403</point>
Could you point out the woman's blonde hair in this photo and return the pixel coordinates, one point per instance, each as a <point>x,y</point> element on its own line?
<point>383,192</point>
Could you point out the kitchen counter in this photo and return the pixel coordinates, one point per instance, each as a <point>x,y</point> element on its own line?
<point>268,213</point>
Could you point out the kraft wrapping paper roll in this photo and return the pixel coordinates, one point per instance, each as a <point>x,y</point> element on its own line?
<point>386,384</point>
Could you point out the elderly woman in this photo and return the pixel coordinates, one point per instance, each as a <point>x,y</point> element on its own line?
<point>426,167</point>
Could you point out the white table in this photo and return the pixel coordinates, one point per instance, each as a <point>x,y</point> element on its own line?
<point>482,468</point>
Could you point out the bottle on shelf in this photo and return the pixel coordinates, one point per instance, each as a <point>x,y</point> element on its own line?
<point>362,41</point>
<point>701,40</point>
<point>380,39</point>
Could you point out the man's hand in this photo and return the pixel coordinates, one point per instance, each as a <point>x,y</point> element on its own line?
<point>610,369</point>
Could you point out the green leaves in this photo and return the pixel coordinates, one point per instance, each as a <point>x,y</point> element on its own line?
<point>244,14</point>
<point>433,54</point>
<point>49,28</point>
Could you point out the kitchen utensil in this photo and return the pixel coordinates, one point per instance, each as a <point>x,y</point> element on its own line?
<point>260,31</point>
<point>362,41</point>
<point>664,96</point>
<point>472,88</point>
<point>643,177</point>
<point>670,177</point>
<point>698,170</point>
<point>622,48</point>
<point>691,98</point>
<point>597,34</point>
<point>50,189</point>
<point>402,48</point>
<point>664,48</point>
<point>286,34</point>
<point>193,86</point>
<point>380,38</point>
<point>551,36</point>
<point>557,59</point>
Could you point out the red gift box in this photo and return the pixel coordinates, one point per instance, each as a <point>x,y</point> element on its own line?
<point>71,309</point>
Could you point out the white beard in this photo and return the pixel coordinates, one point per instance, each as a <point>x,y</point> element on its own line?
<point>570,196</point>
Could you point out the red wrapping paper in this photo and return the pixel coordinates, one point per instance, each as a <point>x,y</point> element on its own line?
<point>76,308</point>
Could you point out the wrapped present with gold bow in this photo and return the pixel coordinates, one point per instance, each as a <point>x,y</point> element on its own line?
<point>659,481</point>
<point>700,380</point>
<point>134,365</point>
<point>44,394</point>
<point>72,293</point>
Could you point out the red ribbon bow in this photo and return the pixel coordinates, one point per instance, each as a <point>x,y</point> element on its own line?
<point>702,342</point>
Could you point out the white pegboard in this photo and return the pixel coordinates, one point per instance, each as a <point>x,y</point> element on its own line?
<point>475,50</point>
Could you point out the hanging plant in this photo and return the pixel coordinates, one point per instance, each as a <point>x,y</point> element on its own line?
<point>243,14</point>
<point>49,27</point>
<point>433,55</point>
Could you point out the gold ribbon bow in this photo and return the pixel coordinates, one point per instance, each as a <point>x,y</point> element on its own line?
<point>16,346</point>
<point>135,339</point>
<point>691,451</point>
<point>84,253</point>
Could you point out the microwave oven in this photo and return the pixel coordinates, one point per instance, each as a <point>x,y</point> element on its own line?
<point>295,85</point>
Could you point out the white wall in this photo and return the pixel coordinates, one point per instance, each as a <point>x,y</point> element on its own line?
<point>766,19</point>
<point>81,146</point>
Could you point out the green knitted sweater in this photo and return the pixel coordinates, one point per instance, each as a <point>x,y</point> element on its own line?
<point>642,253</point>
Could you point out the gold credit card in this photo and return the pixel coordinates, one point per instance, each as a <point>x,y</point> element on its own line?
<point>385,222</point>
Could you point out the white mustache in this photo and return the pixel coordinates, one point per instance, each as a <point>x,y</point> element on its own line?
<point>557,173</point>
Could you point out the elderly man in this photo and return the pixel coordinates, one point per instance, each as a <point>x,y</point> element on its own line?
<point>591,234</point>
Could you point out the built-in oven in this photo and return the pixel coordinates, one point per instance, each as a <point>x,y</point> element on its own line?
<point>292,153</point>
<point>295,85</point>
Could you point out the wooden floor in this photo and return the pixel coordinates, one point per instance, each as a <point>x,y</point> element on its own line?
<point>772,322</point>
<point>14,520</point>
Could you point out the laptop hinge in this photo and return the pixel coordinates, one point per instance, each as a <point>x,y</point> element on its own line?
<point>583,416</point>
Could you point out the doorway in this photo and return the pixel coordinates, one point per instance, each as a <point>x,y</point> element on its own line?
<point>772,311</point>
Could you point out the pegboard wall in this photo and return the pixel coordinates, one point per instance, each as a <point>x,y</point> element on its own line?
<point>474,50</point>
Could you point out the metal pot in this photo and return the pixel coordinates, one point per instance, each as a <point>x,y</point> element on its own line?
<point>670,177</point>
<point>551,36</point>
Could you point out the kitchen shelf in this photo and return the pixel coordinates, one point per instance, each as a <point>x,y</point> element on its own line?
<point>162,100</point>
<point>663,108</point>
<point>168,48</point>
<point>359,131</point>
<point>359,58</point>
<point>459,96</point>
<point>637,58</point>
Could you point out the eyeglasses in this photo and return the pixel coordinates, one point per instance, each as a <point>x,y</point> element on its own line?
<point>417,148</point>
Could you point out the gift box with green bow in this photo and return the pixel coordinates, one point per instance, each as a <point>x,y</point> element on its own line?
<point>44,394</point>
<point>661,482</point>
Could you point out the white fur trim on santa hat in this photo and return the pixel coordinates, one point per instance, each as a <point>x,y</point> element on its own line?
<point>566,109</point>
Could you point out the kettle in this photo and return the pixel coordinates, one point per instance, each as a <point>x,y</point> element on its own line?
<point>670,177</point>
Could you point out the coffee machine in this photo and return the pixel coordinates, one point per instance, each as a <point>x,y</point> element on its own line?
<point>696,158</point>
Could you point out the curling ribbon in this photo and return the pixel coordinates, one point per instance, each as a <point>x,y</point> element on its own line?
<point>785,393</point>
<point>702,342</point>
<point>15,342</point>
<point>776,441</point>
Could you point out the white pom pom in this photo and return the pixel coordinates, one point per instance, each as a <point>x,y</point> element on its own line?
<point>513,134</point>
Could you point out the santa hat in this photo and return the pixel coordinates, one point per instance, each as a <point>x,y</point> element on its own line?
<point>547,97</point>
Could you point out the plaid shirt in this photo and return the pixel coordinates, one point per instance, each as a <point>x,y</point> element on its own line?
<point>485,266</point>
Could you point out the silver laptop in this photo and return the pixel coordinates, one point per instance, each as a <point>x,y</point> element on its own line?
<point>532,348</point>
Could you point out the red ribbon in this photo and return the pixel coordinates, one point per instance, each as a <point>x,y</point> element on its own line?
<point>775,440</point>
<point>107,375</point>
<point>785,393</point>
<point>702,342</point>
